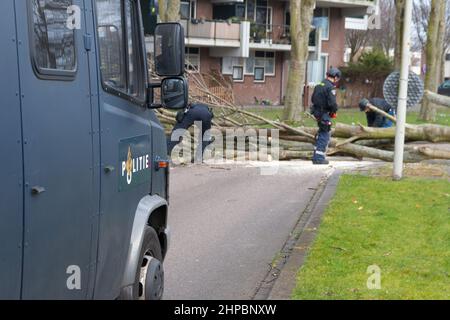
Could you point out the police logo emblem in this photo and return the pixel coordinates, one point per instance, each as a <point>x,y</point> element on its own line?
<point>134,157</point>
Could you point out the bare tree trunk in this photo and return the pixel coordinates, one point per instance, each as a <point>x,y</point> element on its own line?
<point>169,10</point>
<point>440,47</point>
<point>399,22</point>
<point>301,17</point>
<point>173,10</point>
<point>427,112</point>
<point>356,40</point>
<point>162,10</point>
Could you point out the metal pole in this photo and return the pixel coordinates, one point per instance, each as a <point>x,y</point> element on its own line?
<point>403,93</point>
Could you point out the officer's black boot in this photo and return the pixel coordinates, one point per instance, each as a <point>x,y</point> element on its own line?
<point>321,162</point>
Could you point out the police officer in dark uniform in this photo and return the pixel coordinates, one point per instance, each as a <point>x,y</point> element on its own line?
<point>189,116</point>
<point>374,119</point>
<point>324,110</point>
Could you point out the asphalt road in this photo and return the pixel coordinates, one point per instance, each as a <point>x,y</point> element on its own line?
<point>228,224</point>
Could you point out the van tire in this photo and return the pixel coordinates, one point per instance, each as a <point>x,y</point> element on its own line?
<point>149,281</point>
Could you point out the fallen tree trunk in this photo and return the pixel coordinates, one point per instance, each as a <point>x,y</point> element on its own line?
<point>296,142</point>
<point>412,154</point>
<point>432,153</point>
<point>438,99</point>
<point>426,132</point>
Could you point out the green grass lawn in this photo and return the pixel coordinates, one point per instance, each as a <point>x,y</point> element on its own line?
<point>401,227</point>
<point>354,116</point>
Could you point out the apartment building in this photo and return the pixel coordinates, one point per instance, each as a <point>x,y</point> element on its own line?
<point>248,41</point>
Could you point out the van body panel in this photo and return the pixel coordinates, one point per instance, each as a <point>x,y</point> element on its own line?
<point>58,158</point>
<point>98,168</point>
<point>123,125</point>
<point>11,195</point>
<point>79,182</point>
<point>159,177</point>
<point>126,146</point>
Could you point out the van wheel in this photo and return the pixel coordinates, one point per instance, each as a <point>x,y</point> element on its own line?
<point>149,284</point>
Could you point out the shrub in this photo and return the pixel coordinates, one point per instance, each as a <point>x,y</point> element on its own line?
<point>371,66</point>
<point>365,78</point>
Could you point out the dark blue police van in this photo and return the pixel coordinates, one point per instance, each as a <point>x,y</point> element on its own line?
<point>84,178</point>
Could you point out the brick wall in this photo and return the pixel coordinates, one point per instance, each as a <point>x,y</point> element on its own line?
<point>246,91</point>
<point>207,62</point>
<point>204,9</point>
<point>335,46</point>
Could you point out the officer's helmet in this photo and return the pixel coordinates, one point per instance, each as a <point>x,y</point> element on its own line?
<point>334,73</point>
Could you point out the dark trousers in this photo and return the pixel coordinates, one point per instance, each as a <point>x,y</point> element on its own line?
<point>323,137</point>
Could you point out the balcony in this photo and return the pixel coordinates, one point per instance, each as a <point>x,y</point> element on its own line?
<point>350,8</point>
<point>276,37</point>
<point>223,38</point>
<point>212,33</point>
<point>346,3</point>
<point>235,39</point>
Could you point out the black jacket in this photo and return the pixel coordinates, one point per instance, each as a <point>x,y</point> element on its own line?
<point>324,98</point>
<point>376,120</point>
<point>196,112</point>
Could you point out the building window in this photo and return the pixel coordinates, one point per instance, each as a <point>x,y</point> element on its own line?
<point>250,65</point>
<point>322,20</point>
<point>121,56</point>
<point>317,70</point>
<point>257,11</point>
<point>287,22</point>
<point>240,11</point>
<point>192,59</point>
<point>447,57</point>
<point>251,9</point>
<point>234,67</point>
<point>260,74</point>
<point>53,43</point>
<point>224,11</point>
<point>269,64</point>
<point>260,59</point>
<point>188,9</point>
<point>264,15</point>
<point>238,73</point>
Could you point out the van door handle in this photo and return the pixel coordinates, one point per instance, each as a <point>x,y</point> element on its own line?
<point>37,190</point>
<point>109,169</point>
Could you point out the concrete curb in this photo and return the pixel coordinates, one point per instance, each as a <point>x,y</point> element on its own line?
<point>286,281</point>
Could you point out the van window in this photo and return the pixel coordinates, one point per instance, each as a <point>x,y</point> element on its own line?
<point>53,42</point>
<point>133,50</point>
<point>120,50</point>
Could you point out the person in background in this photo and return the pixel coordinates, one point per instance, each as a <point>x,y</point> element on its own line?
<point>192,114</point>
<point>374,119</point>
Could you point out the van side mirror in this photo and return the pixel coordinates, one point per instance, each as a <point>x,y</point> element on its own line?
<point>169,50</point>
<point>174,93</point>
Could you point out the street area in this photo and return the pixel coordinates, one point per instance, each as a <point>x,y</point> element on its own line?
<point>229,223</point>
